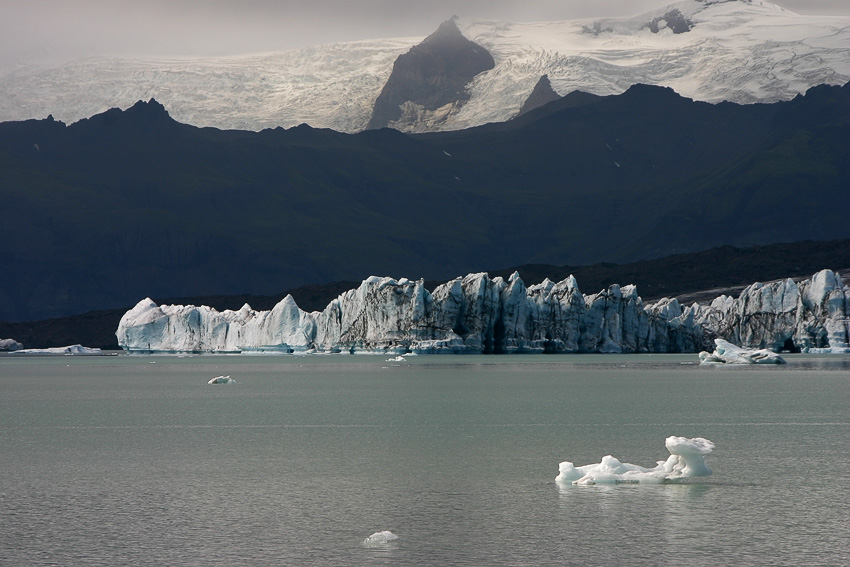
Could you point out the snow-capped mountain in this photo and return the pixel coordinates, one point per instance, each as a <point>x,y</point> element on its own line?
<point>329,86</point>
<point>742,51</point>
<point>713,50</point>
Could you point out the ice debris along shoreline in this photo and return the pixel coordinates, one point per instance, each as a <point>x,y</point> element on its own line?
<point>476,314</point>
<point>686,460</point>
<point>67,350</point>
<point>727,353</point>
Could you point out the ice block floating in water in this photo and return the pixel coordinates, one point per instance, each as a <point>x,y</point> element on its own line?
<point>727,353</point>
<point>687,459</point>
<point>380,538</point>
<point>222,380</point>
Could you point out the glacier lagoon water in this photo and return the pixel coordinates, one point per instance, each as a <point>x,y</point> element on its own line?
<point>136,460</point>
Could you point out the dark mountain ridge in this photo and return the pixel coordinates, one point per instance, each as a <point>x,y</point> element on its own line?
<point>541,95</point>
<point>128,204</point>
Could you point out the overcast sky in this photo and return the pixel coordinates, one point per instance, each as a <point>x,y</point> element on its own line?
<point>66,29</point>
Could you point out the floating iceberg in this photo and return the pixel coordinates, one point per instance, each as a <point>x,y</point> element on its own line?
<point>727,353</point>
<point>686,460</point>
<point>10,344</point>
<point>380,538</point>
<point>222,380</point>
<point>477,314</point>
<point>73,349</point>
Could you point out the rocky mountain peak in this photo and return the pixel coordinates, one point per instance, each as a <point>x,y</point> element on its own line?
<point>543,93</point>
<point>674,19</point>
<point>432,76</point>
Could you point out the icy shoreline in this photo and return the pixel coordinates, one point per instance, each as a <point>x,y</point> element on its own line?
<point>476,314</point>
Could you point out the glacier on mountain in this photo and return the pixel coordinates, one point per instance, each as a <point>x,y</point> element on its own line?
<point>328,86</point>
<point>737,50</point>
<point>477,314</point>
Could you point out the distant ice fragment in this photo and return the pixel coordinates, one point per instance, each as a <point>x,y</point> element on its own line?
<point>380,538</point>
<point>10,344</point>
<point>829,350</point>
<point>396,359</point>
<point>222,380</point>
<point>686,460</point>
<point>727,353</point>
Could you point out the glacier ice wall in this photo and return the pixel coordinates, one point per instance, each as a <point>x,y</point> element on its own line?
<point>477,314</point>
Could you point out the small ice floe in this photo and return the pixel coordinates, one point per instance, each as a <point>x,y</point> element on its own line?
<point>727,353</point>
<point>398,358</point>
<point>686,460</point>
<point>222,380</point>
<point>380,538</point>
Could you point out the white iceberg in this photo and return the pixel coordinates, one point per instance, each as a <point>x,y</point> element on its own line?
<point>727,353</point>
<point>10,344</point>
<point>222,380</point>
<point>380,538</point>
<point>398,358</point>
<point>73,349</point>
<point>686,460</point>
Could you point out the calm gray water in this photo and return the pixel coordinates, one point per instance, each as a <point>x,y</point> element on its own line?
<point>135,460</point>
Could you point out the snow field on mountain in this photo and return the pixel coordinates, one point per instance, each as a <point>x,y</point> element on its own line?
<point>739,51</point>
<point>331,86</point>
<point>735,51</point>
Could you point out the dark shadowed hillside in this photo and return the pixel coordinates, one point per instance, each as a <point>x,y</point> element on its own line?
<point>129,204</point>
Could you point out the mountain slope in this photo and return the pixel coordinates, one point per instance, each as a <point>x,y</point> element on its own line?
<point>130,203</point>
<point>737,50</point>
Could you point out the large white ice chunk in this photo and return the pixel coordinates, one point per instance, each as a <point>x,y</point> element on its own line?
<point>727,353</point>
<point>686,460</point>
